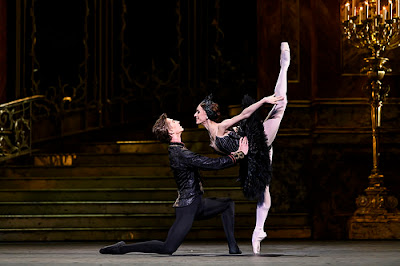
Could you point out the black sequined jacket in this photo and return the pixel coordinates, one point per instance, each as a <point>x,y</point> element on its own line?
<point>185,165</point>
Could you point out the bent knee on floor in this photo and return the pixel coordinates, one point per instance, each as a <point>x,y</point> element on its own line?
<point>168,250</point>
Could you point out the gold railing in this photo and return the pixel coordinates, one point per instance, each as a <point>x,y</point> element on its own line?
<point>16,126</point>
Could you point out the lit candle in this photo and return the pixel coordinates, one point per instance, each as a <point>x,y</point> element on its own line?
<point>390,9</point>
<point>398,8</point>
<point>378,7</point>
<point>384,14</point>
<point>353,6</point>
<point>366,10</point>
<point>346,11</point>
<point>360,14</point>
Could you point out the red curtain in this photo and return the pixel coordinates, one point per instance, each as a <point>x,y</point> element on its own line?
<point>3,50</point>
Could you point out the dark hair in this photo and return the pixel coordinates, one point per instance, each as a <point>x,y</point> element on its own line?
<point>211,108</point>
<point>160,129</point>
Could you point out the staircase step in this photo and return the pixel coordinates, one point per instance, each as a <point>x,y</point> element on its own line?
<point>105,170</point>
<point>102,207</point>
<point>107,182</point>
<point>34,183</point>
<point>130,220</point>
<point>96,221</point>
<point>143,194</point>
<point>131,234</point>
<point>99,159</point>
<point>193,142</point>
<point>88,159</point>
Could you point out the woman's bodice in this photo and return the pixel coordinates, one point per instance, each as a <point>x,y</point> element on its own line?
<point>228,143</point>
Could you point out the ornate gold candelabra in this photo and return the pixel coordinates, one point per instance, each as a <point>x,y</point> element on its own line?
<point>373,25</point>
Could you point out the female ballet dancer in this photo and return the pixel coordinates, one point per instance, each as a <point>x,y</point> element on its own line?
<point>255,176</point>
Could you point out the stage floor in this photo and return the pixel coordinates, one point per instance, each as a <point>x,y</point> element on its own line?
<point>376,253</point>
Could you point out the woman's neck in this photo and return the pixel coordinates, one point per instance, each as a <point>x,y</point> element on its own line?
<point>211,127</point>
<point>208,124</point>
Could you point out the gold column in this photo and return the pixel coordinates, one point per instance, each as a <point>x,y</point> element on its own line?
<point>376,216</point>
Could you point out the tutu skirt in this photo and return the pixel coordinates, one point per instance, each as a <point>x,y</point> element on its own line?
<point>255,170</point>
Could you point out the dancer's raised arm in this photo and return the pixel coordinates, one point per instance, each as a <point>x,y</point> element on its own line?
<point>247,112</point>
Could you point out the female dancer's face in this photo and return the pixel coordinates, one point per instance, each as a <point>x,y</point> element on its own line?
<point>200,115</point>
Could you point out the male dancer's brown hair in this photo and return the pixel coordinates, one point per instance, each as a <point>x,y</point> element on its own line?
<point>160,129</point>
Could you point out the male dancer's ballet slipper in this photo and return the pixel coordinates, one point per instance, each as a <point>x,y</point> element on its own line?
<point>235,250</point>
<point>258,236</point>
<point>285,55</point>
<point>113,249</point>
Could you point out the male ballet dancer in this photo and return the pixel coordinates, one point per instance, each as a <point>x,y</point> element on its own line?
<point>190,205</point>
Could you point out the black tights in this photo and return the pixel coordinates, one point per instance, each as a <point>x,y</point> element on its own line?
<point>200,209</point>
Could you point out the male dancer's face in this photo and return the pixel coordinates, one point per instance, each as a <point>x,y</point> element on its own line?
<point>174,126</point>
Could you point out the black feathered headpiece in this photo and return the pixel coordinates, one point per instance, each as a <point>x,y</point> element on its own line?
<point>211,108</point>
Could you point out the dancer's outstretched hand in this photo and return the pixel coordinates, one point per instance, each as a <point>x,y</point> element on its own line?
<point>273,99</point>
<point>243,145</point>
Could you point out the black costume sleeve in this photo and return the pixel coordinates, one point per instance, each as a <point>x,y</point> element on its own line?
<point>207,163</point>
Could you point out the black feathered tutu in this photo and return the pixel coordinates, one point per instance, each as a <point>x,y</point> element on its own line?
<point>255,170</point>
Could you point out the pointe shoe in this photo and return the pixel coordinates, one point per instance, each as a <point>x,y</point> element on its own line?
<point>113,249</point>
<point>258,236</point>
<point>285,55</point>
